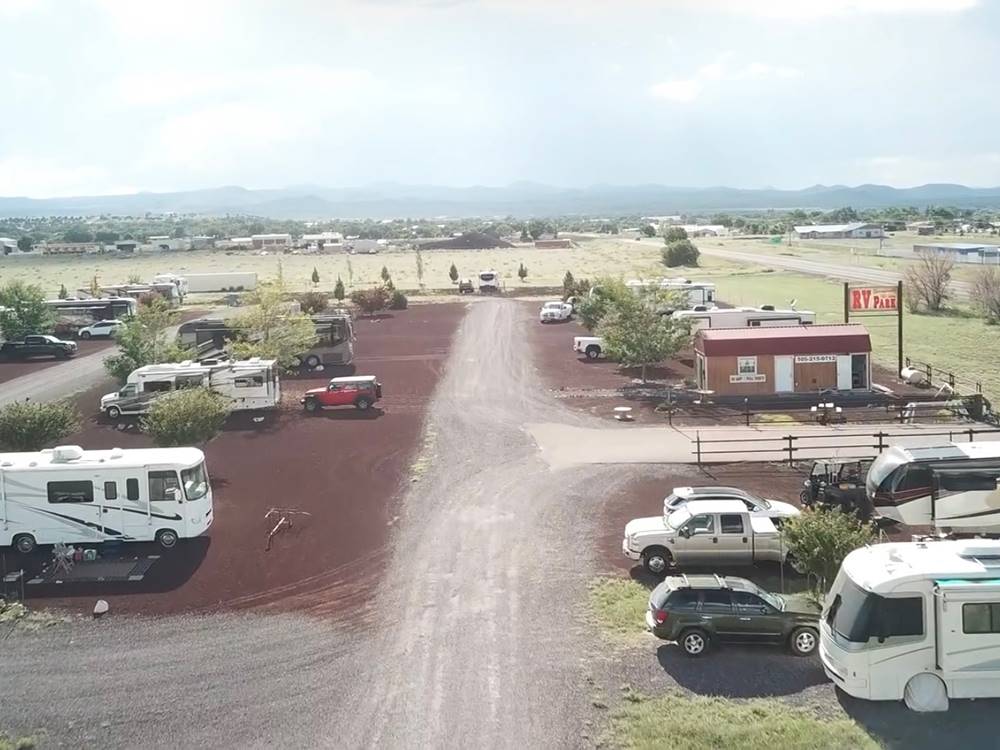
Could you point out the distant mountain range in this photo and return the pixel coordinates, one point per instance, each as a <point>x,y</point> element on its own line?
<point>521,199</point>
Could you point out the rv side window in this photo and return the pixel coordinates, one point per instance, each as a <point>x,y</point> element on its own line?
<point>71,492</point>
<point>132,489</point>
<point>249,381</point>
<point>157,385</point>
<point>899,617</point>
<point>981,618</point>
<point>912,477</point>
<point>159,483</point>
<point>967,481</point>
<point>111,490</point>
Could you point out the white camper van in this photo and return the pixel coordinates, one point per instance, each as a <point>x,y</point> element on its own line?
<point>918,621</point>
<point>73,496</point>
<point>951,486</point>
<point>248,384</point>
<point>693,293</point>
<point>744,317</point>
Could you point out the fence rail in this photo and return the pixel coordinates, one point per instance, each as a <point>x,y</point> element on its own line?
<point>954,381</point>
<point>789,445</point>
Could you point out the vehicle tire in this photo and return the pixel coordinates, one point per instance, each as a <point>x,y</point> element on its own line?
<point>312,362</point>
<point>694,642</point>
<point>24,543</point>
<point>593,351</point>
<point>166,538</point>
<point>85,335</point>
<point>656,561</point>
<point>805,497</point>
<point>803,641</point>
<point>113,412</point>
<point>925,692</point>
<point>363,403</point>
<point>311,405</point>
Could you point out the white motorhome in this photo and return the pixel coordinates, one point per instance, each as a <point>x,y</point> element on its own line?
<point>744,317</point>
<point>489,282</point>
<point>172,278</point>
<point>248,384</point>
<point>73,496</point>
<point>918,621</point>
<point>694,292</point>
<point>951,486</point>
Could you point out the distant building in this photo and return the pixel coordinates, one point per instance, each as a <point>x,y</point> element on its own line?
<point>856,231</point>
<point>704,230</point>
<point>126,246</point>
<point>271,241</point>
<point>7,245</point>
<point>70,248</point>
<point>920,227</point>
<point>554,244</point>
<point>163,242</point>
<point>962,252</point>
<point>199,242</point>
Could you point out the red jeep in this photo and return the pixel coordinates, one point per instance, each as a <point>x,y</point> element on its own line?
<point>360,391</point>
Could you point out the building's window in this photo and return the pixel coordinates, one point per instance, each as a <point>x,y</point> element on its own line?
<point>981,618</point>
<point>111,490</point>
<point>71,492</point>
<point>249,381</point>
<point>746,365</point>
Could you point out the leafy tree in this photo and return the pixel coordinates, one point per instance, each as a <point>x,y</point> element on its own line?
<point>385,275</point>
<point>843,215</point>
<point>95,287</point>
<point>637,335</point>
<point>350,272</point>
<point>338,290</point>
<point>648,230</point>
<point>106,237</point>
<point>31,426</point>
<point>673,234</point>
<point>525,237</point>
<point>371,301</point>
<point>315,276</point>
<point>25,243</point>
<point>569,284</point>
<point>606,294</point>
<point>63,294</point>
<point>269,331</point>
<point>536,228</point>
<point>191,416</point>
<point>453,274</point>
<point>820,539</point>
<point>927,282</point>
<point>313,302</point>
<point>145,340</point>
<point>78,234</point>
<point>25,311</point>
<point>680,253</point>
<point>522,272</point>
<point>397,300</point>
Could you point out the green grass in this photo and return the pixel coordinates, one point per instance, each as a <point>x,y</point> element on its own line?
<point>696,723</point>
<point>18,743</point>
<point>619,608</point>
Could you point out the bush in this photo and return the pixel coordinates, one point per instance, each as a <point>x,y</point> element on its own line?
<point>338,290</point>
<point>398,300</point>
<point>453,274</point>
<point>371,301</point>
<point>674,234</point>
<point>24,310</point>
<point>313,302</point>
<point>680,253</point>
<point>31,426</point>
<point>820,539</point>
<point>192,416</point>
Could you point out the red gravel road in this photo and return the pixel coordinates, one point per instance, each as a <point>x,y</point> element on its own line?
<point>342,467</point>
<point>15,369</point>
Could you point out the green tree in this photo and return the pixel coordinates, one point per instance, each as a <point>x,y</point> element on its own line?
<point>680,253</point>
<point>385,275</point>
<point>338,290</point>
<point>25,311</point>
<point>313,302</point>
<point>25,243</point>
<point>78,234</point>
<point>315,276</point>
<point>673,234</point>
<point>637,335</point>
<point>191,416</point>
<point>63,294</point>
<point>453,274</point>
<point>648,230</point>
<point>843,215</point>
<point>350,272</point>
<point>537,227</point>
<point>371,301</point>
<point>525,237</point>
<point>605,295</point>
<point>145,340</point>
<point>569,284</point>
<point>270,331</point>
<point>522,272</point>
<point>819,540</point>
<point>398,301</point>
<point>31,426</point>
<point>106,237</point>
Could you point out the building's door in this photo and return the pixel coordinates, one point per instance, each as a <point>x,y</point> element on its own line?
<point>784,374</point>
<point>859,370</point>
<point>844,374</point>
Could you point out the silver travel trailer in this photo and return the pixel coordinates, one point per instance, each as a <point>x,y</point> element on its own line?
<point>950,486</point>
<point>744,317</point>
<point>72,496</point>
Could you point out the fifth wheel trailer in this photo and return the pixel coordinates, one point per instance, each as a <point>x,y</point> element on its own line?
<point>71,496</point>
<point>232,281</point>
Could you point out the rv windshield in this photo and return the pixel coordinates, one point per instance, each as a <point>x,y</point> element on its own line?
<point>195,482</point>
<point>857,615</point>
<point>880,470</point>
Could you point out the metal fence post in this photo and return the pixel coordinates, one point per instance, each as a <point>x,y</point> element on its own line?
<point>970,434</point>
<point>746,410</point>
<point>881,444</point>
<point>791,450</point>
<point>697,443</point>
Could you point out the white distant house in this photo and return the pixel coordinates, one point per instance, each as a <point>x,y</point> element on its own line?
<point>704,230</point>
<point>961,252</point>
<point>7,245</point>
<point>322,239</point>
<point>163,242</point>
<point>268,241</point>
<point>856,231</point>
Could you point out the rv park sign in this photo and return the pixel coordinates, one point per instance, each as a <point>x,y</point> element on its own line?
<point>873,299</point>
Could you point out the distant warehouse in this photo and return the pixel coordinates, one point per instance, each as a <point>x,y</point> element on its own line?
<point>962,252</point>
<point>858,231</point>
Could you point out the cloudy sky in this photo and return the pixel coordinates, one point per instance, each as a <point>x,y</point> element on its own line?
<point>107,96</point>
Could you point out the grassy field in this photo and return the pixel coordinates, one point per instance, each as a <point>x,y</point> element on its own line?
<point>685,722</point>
<point>619,608</point>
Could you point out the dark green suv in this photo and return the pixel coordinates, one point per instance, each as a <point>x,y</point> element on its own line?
<point>700,610</point>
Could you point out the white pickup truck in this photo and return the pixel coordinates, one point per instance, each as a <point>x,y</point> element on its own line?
<point>591,346</point>
<point>555,311</point>
<point>703,532</point>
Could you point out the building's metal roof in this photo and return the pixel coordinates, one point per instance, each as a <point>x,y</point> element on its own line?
<point>806,339</point>
<point>831,228</point>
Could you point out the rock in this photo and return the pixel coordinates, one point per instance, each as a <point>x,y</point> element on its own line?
<point>101,608</point>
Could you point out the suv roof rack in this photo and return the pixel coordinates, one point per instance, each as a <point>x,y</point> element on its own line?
<point>721,581</point>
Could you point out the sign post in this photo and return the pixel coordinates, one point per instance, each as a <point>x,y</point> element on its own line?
<point>884,300</point>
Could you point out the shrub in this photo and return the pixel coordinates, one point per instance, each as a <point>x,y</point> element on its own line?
<point>927,282</point>
<point>370,301</point>
<point>674,234</point>
<point>313,302</point>
<point>680,253</point>
<point>453,274</point>
<point>315,276</point>
<point>398,300</point>
<point>569,284</point>
<point>338,290</point>
<point>820,539</point>
<point>25,311</point>
<point>31,426</point>
<point>522,272</point>
<point>192,416</point>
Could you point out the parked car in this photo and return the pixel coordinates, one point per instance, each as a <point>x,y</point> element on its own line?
<point>553,312</point>
<point>699,611</point>
<point>102,328</point>
<point>591,346</point>
<point>717,532</point>
<point>38,346</point>
<point>465,286</point>
<point>359,391</point>
<point>773,509</point>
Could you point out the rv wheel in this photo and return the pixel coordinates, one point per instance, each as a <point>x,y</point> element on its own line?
<point>312,362</point>
<point>166,538</point>
<point>114,412</point>
<point>24,543</point>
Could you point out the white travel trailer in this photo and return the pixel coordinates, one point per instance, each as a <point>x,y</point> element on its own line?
<point>73,496</point>
<point>744,317</point>
<point>951,486</point>
<point>695,293</point>
<point>489,282</point>
<point>248,384</point>
<point>172,278</point>
<point>917,621</point>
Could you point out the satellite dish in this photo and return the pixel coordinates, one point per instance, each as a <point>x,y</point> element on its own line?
<point>793,303</point>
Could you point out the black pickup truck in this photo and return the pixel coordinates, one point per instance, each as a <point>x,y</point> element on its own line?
<point>37,346</point>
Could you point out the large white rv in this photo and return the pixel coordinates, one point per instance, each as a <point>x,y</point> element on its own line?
<point>73,496</point>
<point>951,486</point>
<point>918,621</point>
<point>248,384</point>
<point>695,293</point>
<point>744,317</point>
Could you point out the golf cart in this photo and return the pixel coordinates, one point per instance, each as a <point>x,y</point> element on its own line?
<point>838,482</point>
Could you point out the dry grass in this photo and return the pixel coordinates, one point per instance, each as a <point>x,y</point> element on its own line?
<point>619,609</point>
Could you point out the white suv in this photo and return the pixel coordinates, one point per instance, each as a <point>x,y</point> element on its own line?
<point>758,506</point>
<point>553,312</point>
<point>100,328</point>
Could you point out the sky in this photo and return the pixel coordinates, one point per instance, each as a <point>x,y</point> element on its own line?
<point>118,96</point>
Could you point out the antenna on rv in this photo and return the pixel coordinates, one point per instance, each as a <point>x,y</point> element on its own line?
<point>793,303</point>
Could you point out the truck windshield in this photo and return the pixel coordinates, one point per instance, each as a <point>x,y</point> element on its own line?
<point>678,518</point>
<point>195,482</point>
